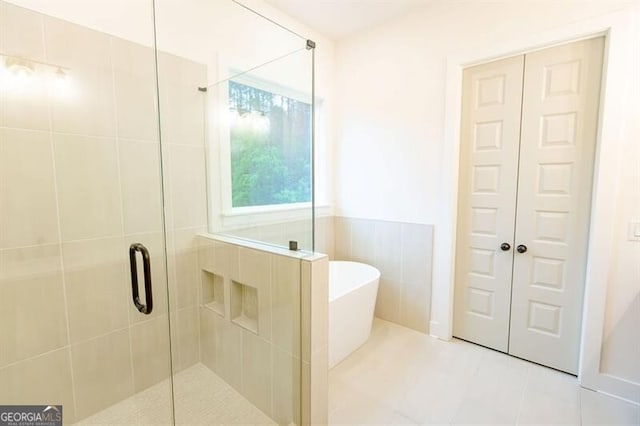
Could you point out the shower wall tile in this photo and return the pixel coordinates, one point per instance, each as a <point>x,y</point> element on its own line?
<point>325,236</point>
<point>28,213</point>
<point>273,234</point>
<point>342,238</point>
<point>256,370</point>
<point>88,190</point>
<point>69,44</point>
<point>254,267</point>
<point>279,234</point>
<point>218,257</point>
<point>300,231</point>
<point>228,345</point>
<point>150,352</point>
<point>141,186</point>
<point>363,241</point>
<point>187,185</point>
<point>255,270</point>
<point>87,106</point>
<point>42,380</point>
<point>181,103</point>
<point>315,363</point>
<point>268,372</point>
<point>186,215</point>
<point>180,71</point>
<point>417,252</point>
<point>134,60</point>
<point>93,144</point>
<point>135,90</point>
<point>183,108</point>
<point>187,276</point>
<point>417,255</point>
<point>102,372</point>
<point>21,32</point>
<point>388,246</point>
<point>182,126</point>
<point>319,386</point>
<point>92,111</point>
<point>28,112</point>
<point>187,338</point>
<point>97,287</point>
<point>285,404</point>
<point>403,253</point>
<point>388,302</point>
<point>208,337</point>
<point>285,294</point>
<point>305,393</point>
<point>32,306</point>
<point>319,305</point>
<point>415,305</point>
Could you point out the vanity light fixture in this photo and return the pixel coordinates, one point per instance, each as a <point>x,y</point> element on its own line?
<point>21,75</point>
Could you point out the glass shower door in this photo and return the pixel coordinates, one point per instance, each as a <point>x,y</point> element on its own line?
<point>236,101</point>
<point>84,318</point>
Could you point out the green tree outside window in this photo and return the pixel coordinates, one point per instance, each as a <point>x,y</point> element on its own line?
<point>270,147</point>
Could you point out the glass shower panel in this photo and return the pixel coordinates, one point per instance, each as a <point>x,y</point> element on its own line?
<point>257,135</point>
<point>81,213</point>
<point>235,311</point>
<point>260,135</point>
<point>236,332</point>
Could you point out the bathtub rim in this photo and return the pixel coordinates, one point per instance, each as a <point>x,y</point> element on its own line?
<point>366,279</point>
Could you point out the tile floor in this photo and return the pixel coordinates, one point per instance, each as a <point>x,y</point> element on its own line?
<point>201,398</point>
<point>401,376</point>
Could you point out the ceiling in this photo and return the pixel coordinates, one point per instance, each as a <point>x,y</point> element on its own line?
<point>341,18</point>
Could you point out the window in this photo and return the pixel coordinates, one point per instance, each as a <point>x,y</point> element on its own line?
<point>270,146</point>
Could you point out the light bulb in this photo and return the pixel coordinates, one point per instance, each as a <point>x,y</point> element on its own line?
<point>60,85</point>
<point>17,76</point>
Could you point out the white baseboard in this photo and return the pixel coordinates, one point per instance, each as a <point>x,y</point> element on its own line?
<point>438,331</point>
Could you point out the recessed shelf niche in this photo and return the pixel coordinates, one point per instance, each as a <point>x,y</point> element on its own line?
<point>244,306</point>
<point>213,292</point>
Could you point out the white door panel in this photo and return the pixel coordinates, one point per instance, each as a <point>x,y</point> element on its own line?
<point>488,161</point>
<point>559,125</point>
<point>528,137</point>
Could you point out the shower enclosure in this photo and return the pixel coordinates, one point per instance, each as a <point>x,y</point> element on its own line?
<point>129,133</point>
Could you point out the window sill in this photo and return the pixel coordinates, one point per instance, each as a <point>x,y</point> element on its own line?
<point>264,215</point>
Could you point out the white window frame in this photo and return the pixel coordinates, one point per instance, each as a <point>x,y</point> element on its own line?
<point>237,217</point>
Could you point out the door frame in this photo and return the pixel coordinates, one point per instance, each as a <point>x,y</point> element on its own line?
<point>617,28</point>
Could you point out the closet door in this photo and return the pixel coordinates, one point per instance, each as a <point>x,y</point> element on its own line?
<point>492,97</point>
<point>559,125</point>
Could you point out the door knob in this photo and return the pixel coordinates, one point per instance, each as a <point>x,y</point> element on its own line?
<point>505,246</point>
<point>522,248</point>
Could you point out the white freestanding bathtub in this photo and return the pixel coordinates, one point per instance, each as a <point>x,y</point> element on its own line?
<point>353,288</point>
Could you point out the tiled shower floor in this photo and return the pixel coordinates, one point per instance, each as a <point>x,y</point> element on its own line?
<point>202,398</point>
